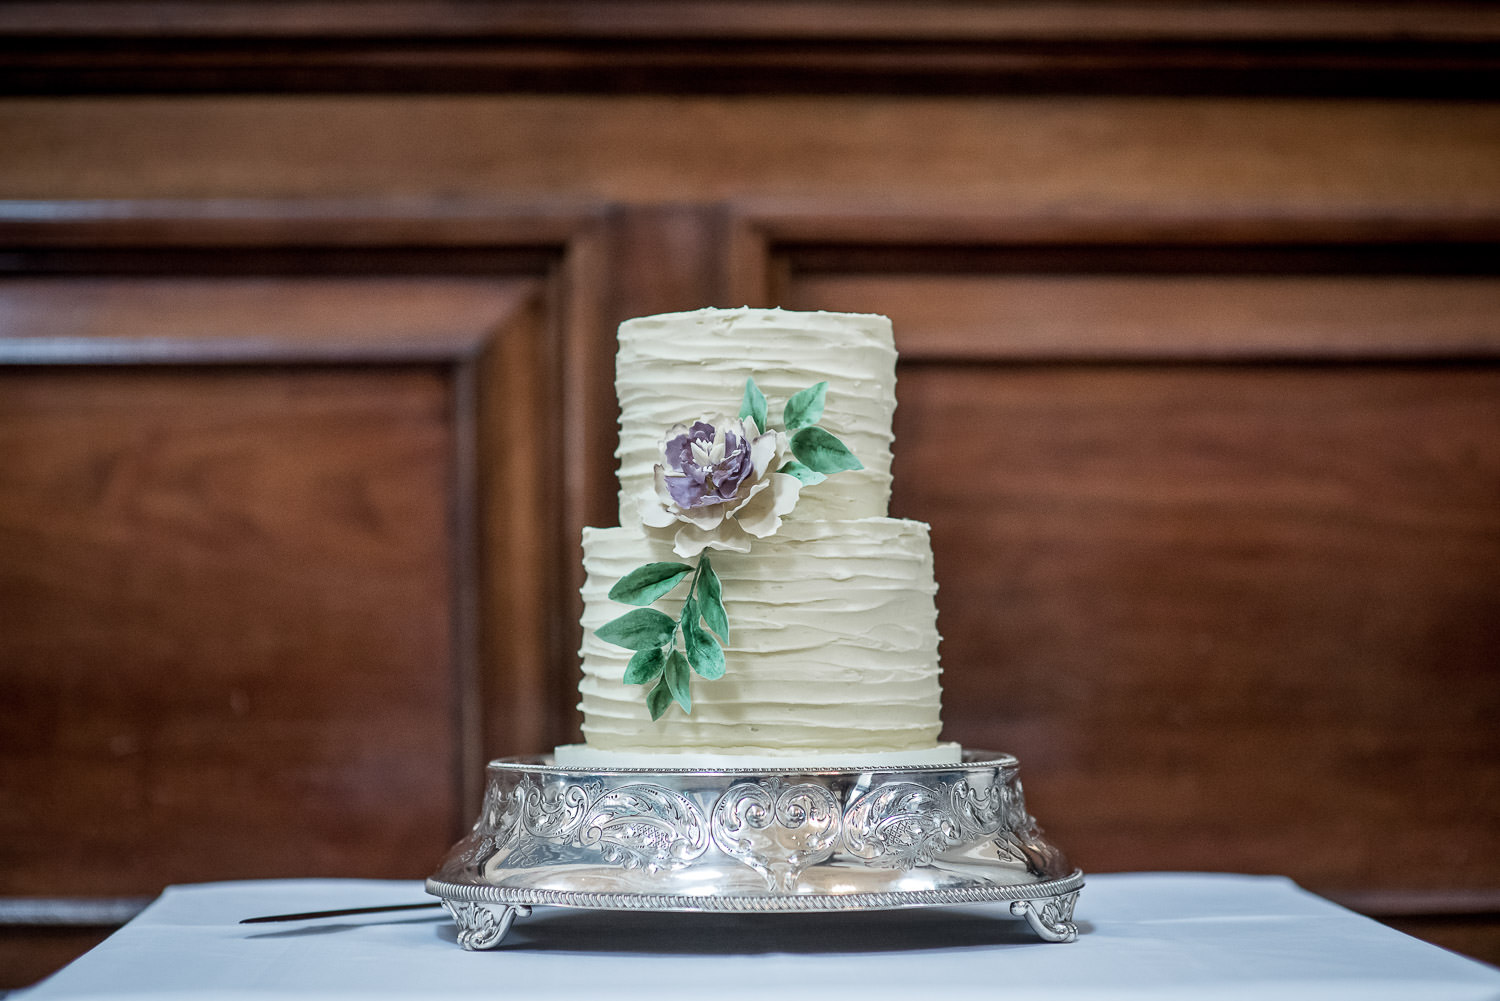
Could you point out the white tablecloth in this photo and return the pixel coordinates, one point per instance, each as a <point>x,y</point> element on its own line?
<point>1157,936</point>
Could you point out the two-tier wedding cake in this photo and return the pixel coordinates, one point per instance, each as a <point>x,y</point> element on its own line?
<point>756,605</point>
<point>760,665</point>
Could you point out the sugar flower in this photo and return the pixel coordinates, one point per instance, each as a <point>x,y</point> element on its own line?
<point>717,485</point>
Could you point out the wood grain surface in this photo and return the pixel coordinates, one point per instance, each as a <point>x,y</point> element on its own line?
<point>1215,514</point>
<point>1230,158</point>
<point>1041,317</point>
<point>156,319</point>
<point>228,643</point>
<point>1395,49</point>
<point>1228,618</point>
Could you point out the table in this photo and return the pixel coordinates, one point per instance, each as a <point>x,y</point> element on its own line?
<point>1143,935</point>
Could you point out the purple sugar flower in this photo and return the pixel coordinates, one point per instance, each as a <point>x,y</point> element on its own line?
<point>717,487</point>
<point>706,465</point>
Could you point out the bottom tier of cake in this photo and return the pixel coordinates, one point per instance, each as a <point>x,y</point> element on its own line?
<point>832,648</point>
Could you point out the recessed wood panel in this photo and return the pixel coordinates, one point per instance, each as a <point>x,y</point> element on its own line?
<point>1058,316</point>
<point>270,514</point>
<point>227,647</point>
<point>1231,618</point>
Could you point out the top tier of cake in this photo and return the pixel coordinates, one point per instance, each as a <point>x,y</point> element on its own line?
<point>679,366</point>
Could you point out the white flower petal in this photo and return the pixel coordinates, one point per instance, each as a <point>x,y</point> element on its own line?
<point>653,515</point>
<point>706,518</point>
<point>762,516</point>
<point>655,508</point>
<point>748,489</point>
<point>762,451</point>
<point>783,449</point>
<point>691,541</point>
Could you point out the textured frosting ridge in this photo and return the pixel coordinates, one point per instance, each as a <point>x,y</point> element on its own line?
<point>680,366</point>
<point>833,644</point>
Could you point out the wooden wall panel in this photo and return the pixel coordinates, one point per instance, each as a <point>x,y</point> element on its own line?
<point>1216,526</point>
<point>227,648</point>
<point>248,570</point>
<point>1229,618</point>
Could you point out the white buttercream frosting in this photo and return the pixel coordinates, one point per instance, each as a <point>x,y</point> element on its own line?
<point>832,656</point>
<point>677,367</point>
<point>833,644</point>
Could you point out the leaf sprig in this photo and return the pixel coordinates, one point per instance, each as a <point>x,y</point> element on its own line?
<point>818,453</point>
<point>703,624</point>
<point>652,634</point>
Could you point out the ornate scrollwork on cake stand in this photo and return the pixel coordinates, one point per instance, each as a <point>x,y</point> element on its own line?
<point>482,926</point>
<point>1051,917</point>
<point>754,841</point>
<point>775,828</point>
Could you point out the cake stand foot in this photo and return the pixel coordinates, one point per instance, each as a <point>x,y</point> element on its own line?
<point>482,926</point>
<point>1050,917</point>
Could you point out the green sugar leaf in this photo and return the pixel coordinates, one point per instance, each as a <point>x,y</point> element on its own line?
<point>679,680</point>
<point>658,700</point>
<point>645,667</point>
<point>754,404</point>
<point>806,408</point>
<point>710,599</point>
<point>641,629</point>
<point>643,585</point>
<point>801,472</point>
<point>703,651</point>
<point>822,452</point>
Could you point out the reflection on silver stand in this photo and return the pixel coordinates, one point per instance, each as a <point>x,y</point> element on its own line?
<point>754,841</point>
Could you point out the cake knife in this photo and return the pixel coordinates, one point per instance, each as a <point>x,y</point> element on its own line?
<point>345,912</point>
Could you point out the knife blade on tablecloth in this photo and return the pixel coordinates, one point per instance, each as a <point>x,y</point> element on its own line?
<point>345,912</point>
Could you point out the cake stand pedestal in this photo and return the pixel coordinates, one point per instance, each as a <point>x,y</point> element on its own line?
<point>753,841</point>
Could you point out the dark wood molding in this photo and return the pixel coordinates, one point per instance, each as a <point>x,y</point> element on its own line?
<point>864,20</point>
<point>160,319</point>
<point>324,224</point>
<point>669,258</point>
<point>936,225</point>
<point>753,46</point>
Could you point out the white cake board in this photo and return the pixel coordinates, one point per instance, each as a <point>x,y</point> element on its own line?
<point>583,756</point>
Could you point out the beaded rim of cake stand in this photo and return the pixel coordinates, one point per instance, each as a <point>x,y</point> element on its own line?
<point>753,903</point>
<point>484,914</point>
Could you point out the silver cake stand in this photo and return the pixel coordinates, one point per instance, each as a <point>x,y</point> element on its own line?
<point>753,841</point>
